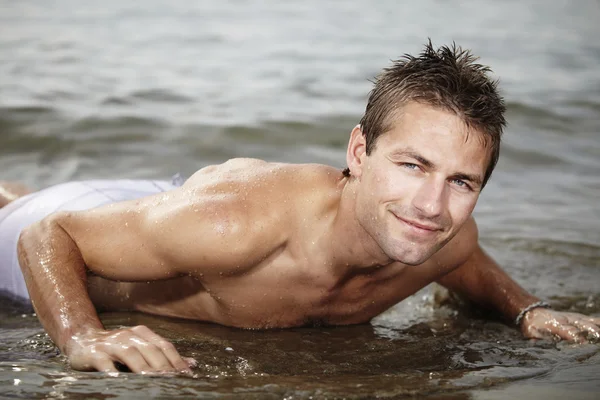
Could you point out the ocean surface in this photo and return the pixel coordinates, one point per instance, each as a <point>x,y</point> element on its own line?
<point>119,89</point>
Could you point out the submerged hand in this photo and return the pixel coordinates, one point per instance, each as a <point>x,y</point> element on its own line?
<point>140,349</point>
<point>543,323</point>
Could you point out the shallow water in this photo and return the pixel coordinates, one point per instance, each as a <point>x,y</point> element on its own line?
<point>437,352</point>
<point>89,91</point>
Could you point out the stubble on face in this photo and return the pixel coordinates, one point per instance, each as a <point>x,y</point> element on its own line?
<point>411,203</point>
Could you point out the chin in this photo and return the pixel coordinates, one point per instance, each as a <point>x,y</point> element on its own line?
<point>413,254</point>
<point>412,257</point>
<point>412,261</point>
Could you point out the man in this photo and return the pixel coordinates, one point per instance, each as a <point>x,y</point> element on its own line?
<point>258,245</point>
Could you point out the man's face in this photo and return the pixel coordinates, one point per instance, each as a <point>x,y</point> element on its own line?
<point>420,183</point>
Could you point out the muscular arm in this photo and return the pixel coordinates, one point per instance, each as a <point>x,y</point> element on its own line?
<point>476,276</point>
<point>56,279</point>
<point>481,280</point>
<point>154,238</point>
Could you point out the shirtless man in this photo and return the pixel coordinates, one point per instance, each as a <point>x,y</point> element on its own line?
<point>253,244</point>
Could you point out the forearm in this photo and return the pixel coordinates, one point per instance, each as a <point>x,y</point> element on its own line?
<point>481,280</point>
<point>55,275</point>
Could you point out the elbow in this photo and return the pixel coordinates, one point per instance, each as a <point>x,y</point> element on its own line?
<point>36,231</point>
<point>46,235</point>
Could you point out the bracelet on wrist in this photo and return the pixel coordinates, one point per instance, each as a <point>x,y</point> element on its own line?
<point>538,304</point>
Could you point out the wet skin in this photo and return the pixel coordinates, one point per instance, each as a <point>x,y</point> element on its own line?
<point>257,245</point>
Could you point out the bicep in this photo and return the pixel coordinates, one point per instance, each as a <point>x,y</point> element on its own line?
<point>149,239</point>
<point>114,242</point>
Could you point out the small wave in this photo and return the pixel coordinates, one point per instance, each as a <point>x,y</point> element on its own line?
<point>44,130</point>
<point>160,95</point>
<point>23,143</point>
<point>31,109</point>
<point>25,123</point>
<point>585,103</point>
<point>541,118</point>
<point>547,247</point>
<point>123,127</point>
<point>330,132</point>
<point>528,110</point>
<point>530,157</point>
<point>18,115</point>
<point>150,95</point>
<point>116,101</point>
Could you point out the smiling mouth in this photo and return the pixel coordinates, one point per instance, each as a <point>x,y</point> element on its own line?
<point>421,228</point>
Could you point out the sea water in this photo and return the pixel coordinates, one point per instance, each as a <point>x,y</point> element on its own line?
<point>144,90</point>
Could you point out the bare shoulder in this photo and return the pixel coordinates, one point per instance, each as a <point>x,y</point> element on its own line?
<point>251,169</point>
<point>258,180</point>
<point>458,250</point>
<point>266,195</point>
<point>248,207</point>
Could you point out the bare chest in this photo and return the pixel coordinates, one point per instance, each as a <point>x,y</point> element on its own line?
<point>281,295</point>
<point>283,292</point>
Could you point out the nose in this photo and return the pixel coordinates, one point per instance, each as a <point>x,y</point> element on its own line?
<point>430,198</point>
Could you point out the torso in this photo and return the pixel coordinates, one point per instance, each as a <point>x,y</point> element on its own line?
<point>299,283</point>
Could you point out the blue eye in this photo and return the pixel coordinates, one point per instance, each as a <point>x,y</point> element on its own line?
<point>461,183</point>
<point>410,166</point>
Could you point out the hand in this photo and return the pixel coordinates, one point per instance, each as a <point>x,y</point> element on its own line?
<point>140,349</point>
<point>543,323</point>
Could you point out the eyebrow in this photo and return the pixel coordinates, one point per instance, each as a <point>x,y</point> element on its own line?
<point>475,179</point>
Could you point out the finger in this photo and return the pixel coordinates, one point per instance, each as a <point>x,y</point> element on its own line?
<point>175,359</point>
<point>570,333</point>
<point>154,356</point>
<point>592,330</point>
<point>132,358</point>
<point>104,364</point>
<point>574,317</point>
<point>178,362</point>
<point>190,361</point>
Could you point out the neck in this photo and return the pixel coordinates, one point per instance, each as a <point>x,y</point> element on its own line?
<point>352,246</point>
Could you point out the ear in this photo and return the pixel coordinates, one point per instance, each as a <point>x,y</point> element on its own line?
<point>357,151</point>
